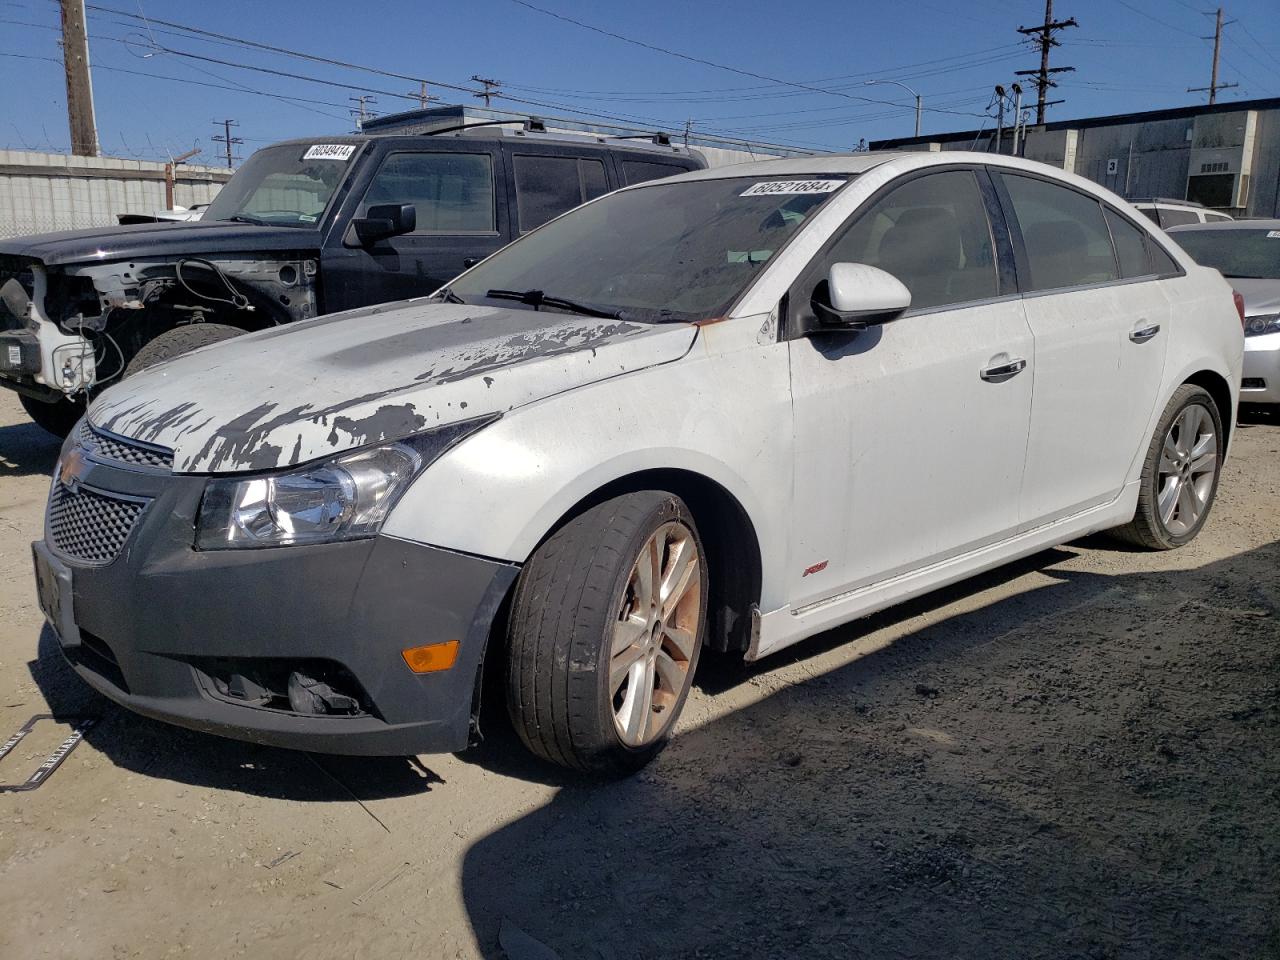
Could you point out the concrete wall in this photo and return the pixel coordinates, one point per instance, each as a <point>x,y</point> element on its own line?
<point>43,192</point>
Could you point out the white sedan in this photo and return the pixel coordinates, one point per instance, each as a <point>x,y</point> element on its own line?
<point>729,409</point>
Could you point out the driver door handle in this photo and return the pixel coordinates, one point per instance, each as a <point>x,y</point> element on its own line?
<point>1003,371</point>
<point>1143,334</point>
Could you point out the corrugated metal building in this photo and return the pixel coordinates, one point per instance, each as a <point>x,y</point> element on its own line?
<point>1226,156</point>
<point>42,192</point>
<point>718,151</point>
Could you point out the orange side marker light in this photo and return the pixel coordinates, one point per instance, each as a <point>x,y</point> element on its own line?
<point>431,657</point>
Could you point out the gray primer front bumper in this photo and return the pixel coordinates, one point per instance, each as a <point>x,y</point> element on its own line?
<point>162,607</point>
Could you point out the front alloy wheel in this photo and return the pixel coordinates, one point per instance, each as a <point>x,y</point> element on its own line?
<point>605,630</point>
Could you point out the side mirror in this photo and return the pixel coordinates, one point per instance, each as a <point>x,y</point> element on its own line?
<point>856,296</point>
<point>385,220</point>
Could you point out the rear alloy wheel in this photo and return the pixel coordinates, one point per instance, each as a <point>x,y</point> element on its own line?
<point>1180,475</point>
<point>605,631</point>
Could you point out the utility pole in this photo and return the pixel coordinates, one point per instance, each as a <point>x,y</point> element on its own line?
<point>75,59</point>
<point>228,139</point>
<point>1045,40</point>
<point>490,88</point>
<point>424,99</point>
<point>171,175</point>
<point>1017,116</point>
<point>1214,86</point>
<point>1000,99</point>
<point>362,112</point>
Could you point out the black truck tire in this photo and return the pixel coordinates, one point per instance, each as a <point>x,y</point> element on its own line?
<point>58,416</point>
<point>179,340</point>
<point>577,598</point>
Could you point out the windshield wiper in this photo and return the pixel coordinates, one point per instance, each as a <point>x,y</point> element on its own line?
<point>537,299</point>
<point>245,218</point>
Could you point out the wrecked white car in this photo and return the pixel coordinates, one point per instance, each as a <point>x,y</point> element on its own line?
<point>730,410</point>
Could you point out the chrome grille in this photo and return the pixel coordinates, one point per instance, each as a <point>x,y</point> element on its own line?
<point>106,446</point>
<point>88,525</point>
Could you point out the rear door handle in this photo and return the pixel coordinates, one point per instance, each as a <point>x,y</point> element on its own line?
<point>1003,371</point>
<point>1143,334</point>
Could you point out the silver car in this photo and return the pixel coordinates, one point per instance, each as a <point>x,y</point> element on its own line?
<point>1248,254</point>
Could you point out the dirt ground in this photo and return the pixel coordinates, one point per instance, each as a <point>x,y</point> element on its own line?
<point>1074,757</point>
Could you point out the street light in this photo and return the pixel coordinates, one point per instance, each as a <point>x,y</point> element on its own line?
<point>871,83</point>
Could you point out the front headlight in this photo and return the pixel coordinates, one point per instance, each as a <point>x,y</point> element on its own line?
<point>1257,326</point>
<point>345,498</point>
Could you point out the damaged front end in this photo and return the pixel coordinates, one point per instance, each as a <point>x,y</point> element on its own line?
<point>69,330</point>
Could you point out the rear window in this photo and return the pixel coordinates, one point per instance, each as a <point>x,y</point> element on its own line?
<point>1246,254</point>
<point>640,171</point>
<point>1176,218</point>
<point>548,186</point>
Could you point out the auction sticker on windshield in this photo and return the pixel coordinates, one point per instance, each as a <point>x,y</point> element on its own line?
<point>330,151</point>
<point>782,187</point>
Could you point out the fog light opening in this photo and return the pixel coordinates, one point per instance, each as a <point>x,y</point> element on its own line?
<point>312,696</point>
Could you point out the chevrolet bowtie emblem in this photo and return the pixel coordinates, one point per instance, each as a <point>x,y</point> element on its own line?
<point>74,466</point>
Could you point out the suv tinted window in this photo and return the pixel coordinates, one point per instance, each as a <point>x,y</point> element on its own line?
<point>638,171</point>
<point>453,192</point>
<point>1065,236</point>
<point>548,186</point>
<point>1176,218</point>
<point>1131,246</point>
<point>931,233</point>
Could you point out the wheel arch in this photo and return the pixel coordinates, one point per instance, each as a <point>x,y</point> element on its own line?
<point>1217,387</point>
<point>728,535</point>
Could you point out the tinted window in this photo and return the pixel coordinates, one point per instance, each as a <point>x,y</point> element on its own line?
<point>453,192</point>
<point>931,233</point>
<point>1162,264</point>
<point>638,171</point>
<point>1131,246</point>
<point>1151,214</point>
<point>1216,217</point>
<point>1236,252</point>
<point>1176,218</point>
<point>1065,236</point>
<point>548,186</point>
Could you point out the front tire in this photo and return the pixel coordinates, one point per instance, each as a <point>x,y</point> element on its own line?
<point>179,340</point>
<point>57,417</point>
<point>1180,473</point>
<point>606,627</point>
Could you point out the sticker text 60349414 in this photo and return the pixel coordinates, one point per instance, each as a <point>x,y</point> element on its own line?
<point>785,187</point>
<point>330,151</point>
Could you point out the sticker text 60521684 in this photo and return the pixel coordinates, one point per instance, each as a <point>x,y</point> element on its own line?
<point>784,187</point>
<point>330,151</point>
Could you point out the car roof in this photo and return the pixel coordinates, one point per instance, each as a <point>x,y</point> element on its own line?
<point>1166,202</point>
<point>1267,224</point>
<point>643,148</point>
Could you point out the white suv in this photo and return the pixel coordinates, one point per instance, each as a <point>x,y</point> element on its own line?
<point>730,409</point>
<point>1176,213</point>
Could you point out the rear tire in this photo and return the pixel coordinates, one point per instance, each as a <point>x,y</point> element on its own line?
<point>1180,473</point>
<point>179,340</point>
<point>600,660</point>
<point>57,417</point>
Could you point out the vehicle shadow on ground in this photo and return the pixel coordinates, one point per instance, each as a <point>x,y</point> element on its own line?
<point>1064,773</point>
<point>26,450</point>
<point>156,749</point>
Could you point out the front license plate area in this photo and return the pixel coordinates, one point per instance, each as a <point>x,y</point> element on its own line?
<point>54,592</point>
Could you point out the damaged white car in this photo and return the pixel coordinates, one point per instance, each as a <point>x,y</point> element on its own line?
<point>731,409</point>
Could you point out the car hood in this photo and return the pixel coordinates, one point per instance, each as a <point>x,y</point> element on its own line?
<point>292,394</point>
<point>200,237</point>
<point>1260,296</point>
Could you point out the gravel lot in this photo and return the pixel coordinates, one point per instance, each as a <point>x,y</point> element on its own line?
<point>1076,756</point>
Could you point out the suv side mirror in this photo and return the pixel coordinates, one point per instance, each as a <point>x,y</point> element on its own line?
<point>385,220</point>
<point>856,296</point>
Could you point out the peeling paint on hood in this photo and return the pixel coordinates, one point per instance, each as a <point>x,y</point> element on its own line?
<point>308,390</point>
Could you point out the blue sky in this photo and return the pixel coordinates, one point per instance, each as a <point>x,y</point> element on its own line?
<point>1129,55</point>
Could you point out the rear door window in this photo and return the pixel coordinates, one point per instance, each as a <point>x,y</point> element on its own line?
<point>1176,218</point>
<point>1131,246</point>
<point>640,171</point>
<point>453,192</point>
<point>547,186</point>
<point>1065,235</point>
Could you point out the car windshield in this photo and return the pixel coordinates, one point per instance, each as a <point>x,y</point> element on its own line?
<point>1252,254</point>
<point>673,251</point>
<point>289,185</point>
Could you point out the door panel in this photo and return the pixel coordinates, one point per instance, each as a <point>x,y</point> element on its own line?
<point>461,219</point>
<point>905,455</point>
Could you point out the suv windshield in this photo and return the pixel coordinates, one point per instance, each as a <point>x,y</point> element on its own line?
<point>673,251</point>
<point>1252,254</point>
<point>289,185</point>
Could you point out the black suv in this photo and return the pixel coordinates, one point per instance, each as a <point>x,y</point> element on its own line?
<point>305,227</point>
